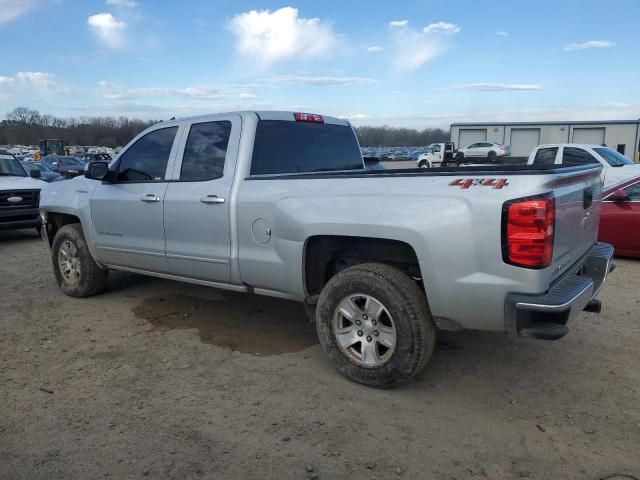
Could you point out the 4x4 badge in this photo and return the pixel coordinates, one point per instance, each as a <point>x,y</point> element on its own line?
<point>465,183</point>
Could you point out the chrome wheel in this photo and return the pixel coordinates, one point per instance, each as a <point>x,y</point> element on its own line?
<point>69,262</point>
<point>364,330</point>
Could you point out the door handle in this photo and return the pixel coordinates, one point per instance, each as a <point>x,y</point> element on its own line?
<point>212,199</point>
<point>150,197</point>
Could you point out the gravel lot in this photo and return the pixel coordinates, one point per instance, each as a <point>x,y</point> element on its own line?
<point>165,380</point>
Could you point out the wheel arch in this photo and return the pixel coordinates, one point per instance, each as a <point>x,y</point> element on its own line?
<point>326,255</point>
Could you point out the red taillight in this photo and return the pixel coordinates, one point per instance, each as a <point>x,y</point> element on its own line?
<point>528,230</point>
<point>308,117</point>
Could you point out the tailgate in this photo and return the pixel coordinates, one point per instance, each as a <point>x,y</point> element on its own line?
<point>577,197</point>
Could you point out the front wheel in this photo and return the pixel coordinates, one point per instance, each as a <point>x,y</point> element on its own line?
<point>373,322</point>
<point>424,164</point>
<point>76,272</point>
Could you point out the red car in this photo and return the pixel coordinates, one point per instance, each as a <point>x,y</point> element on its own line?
<point>620,217</point>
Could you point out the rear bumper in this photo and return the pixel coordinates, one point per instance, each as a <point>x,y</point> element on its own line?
<point>19,218</point>
<point>546,316</point>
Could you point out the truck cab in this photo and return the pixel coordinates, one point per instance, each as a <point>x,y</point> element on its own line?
<point>615,166</point>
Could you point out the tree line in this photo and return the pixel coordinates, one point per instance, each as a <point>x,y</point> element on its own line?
<point>24,126</point>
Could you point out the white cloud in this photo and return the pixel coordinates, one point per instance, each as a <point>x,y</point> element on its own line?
<point>6,80</point>
<point>123,3</point>
<point>324,81</point>
<point>245,95</point>
<point>109,29</point>
<point>268,37</point>
<point>502,34</point>
<point>443,27</point>
<point>496,87</point>
<point>118,92</point>
<point>590,44</point>
<point>12,9</point>
<point>375,49</point>
<point>413,49</point>
<point>398,23</point>
<point>41,78</point>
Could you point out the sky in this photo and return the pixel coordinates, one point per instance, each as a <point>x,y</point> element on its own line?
<point>406,63</point>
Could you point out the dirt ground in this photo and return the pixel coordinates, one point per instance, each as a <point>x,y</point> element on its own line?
<point>164,380</point>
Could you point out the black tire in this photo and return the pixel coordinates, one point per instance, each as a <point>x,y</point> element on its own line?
<point>91,278</point>
<point>492,156</point>
<point>423,164</point>
<point>407,304</point>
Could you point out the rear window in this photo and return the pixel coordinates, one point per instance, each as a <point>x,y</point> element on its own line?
<point>545,156</point>
<point>303,147</point>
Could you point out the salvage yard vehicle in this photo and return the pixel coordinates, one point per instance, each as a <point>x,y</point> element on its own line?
<point>68,167</point>
<point>620,217</point>
<point>46,174</point>
<point>488,150</point>
<point>280,204</point>
<point>19,195</point>
<point>439,155</point>
<point>615,166</point>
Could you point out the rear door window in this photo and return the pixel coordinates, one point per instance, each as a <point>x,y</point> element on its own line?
<point>546,156</point>
<point>205,151</point>
<point>577,156</point>
<point>146,160</point>
<point>303,147</point>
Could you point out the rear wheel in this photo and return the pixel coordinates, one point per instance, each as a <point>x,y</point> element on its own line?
<point>75,270</point>
<point>374,324</point>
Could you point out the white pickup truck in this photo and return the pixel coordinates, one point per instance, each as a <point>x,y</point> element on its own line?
<point>280,204</point>
<point>615,166</point>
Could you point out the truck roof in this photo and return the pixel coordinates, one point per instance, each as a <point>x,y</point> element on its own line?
<point>588,145</point>
<point>266,115</point>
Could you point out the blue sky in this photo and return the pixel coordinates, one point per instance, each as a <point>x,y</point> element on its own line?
<point>405,63</point>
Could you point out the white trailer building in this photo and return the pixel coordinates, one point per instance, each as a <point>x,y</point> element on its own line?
<point>522,137</point>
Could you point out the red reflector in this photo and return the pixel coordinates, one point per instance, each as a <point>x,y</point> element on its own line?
<point>308,117</point>
<point>529,232</point>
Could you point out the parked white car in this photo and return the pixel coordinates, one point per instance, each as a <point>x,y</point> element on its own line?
<point>488,150</point>
<point>615,166</point>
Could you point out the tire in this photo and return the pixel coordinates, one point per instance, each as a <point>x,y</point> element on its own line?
<point>424,164</point>
<point>405,309</point>
<point>492,156</point>
<point>84,278</point>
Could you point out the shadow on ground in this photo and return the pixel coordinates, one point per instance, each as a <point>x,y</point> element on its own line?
<point>240,322</point>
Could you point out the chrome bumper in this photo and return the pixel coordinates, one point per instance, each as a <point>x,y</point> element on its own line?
<point>546,316</point>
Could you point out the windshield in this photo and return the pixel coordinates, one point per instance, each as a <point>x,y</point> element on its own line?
<point>612,157</point>
<point>9,166</point>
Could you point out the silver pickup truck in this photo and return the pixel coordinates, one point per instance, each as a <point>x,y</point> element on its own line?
<point>280,204</point>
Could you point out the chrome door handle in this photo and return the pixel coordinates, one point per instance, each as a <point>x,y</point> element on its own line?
<point>150,197</point>
<point>212,199</point>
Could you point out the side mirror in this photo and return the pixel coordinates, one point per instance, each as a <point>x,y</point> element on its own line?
<point>96,170</point>
<point>35,173</point>
<point>619,196</point>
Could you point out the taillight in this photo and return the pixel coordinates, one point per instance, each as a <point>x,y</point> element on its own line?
<point>527,231</point>
<point>308,117</point>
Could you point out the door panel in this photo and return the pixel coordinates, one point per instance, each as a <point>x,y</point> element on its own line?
<point>128,229</point>
<point>196,206</point>
<point>128,215</point>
